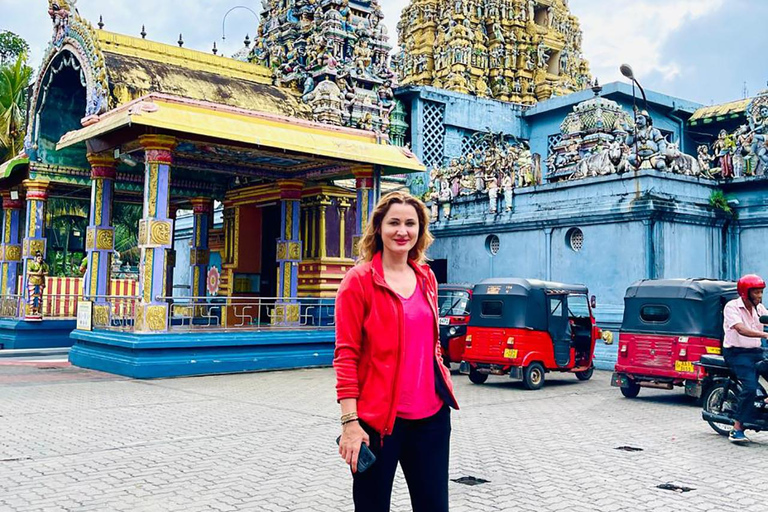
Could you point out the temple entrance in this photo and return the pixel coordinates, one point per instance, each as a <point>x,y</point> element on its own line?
<point>270,232</point>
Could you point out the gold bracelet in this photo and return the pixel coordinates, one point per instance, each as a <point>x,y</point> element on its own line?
<point>343,423</point>
<point>348,417</point>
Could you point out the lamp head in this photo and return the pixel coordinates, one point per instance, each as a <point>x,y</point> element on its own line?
<point>626,70</point>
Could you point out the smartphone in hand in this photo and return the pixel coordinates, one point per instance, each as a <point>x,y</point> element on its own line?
<point>365,458</point>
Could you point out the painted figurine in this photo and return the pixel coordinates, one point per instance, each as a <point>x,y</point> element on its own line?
<point>37,270</point>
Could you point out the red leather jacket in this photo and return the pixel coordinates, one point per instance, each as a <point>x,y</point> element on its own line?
<point>369,343</point>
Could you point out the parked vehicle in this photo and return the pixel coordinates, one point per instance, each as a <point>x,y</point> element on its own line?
<point>453,302</point>
<point>720,400</point>
<point>525,328</point>
<point>668,326</point>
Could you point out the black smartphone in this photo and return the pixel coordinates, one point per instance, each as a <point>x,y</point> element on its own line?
<point>365,458</point>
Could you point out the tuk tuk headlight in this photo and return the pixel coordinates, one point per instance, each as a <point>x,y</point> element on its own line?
<point>452,331</point>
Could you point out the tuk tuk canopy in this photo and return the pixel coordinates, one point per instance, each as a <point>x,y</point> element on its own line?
<point>516,303</point>
<point>686,307</point>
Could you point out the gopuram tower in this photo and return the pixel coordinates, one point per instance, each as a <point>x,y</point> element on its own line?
<point>335,53</point>
<point>521,51</point>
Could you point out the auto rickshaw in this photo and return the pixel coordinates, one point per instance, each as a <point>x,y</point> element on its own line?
<point>525,328</point>
<point>668,325</point>
<point>453,301</point>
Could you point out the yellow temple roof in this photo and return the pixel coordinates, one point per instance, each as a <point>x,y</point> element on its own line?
<point>721,110</point>
<point>203,119</point>
<point>137,67</point>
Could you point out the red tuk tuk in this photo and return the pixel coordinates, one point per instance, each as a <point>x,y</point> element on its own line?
<point>525,328</point>
<point>668,325</point>
<point>453,301</point>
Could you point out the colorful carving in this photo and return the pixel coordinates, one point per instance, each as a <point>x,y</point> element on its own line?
<point>512,50</point>
<point>335,54</point>
<point>599,138</point>
<point>74,34</point>
<point>495,164</point>
<point>37,270</point>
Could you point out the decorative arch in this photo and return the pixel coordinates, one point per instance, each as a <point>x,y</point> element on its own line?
<point>74,44</point>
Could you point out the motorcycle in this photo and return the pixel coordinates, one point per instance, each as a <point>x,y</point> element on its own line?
<point>721,399</point>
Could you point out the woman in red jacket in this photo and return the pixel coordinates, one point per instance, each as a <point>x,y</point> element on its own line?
<point>394,391</point>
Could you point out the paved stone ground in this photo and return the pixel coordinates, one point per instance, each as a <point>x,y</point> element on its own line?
<point>77,440</point>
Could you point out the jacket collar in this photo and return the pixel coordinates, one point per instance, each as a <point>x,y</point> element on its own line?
<point>378,269</point>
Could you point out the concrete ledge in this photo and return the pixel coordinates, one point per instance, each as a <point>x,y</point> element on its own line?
<point>21,335</point>
<point>199,353</point>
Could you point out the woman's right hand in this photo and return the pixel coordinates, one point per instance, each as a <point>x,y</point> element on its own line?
<point>352,436</point>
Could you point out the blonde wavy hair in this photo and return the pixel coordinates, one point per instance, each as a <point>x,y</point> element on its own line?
<point>371,242</point>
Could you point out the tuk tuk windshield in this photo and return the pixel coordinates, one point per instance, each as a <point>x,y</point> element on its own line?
<point>578,306</point>
<point>453,302</point>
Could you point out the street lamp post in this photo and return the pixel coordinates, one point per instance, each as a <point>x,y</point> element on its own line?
<point>626,70</point>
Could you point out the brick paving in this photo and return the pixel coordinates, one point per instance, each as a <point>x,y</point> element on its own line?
<point>74,440</point>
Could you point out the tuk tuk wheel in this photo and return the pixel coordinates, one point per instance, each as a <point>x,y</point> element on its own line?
<point>631,390</point>
<point>533,376</point>
<point>586,374</point>
<point>476,377</point>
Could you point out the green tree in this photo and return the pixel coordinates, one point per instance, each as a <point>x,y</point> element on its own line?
<point>11,47</point>
<point>125,218</point>
<point>64,217</point>
<point>14,80</point>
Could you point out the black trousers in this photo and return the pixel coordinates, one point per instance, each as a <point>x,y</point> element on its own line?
<point>422,448</point>
<point>748,365</point>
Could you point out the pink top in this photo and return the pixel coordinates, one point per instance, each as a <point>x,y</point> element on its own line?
<point>418,395</point>
<point>736,312</point>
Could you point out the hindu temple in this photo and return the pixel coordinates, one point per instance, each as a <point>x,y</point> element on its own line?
<point>295,172</point>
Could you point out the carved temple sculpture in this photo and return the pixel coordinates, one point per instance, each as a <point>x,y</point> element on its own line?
<point>335,53</point>
<point>512,50</point>
<point>494,169</point>
<point>600,138</point>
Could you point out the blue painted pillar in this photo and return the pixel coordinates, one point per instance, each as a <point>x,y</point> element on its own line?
<point>10,250</point>
<point>366,202</point>
<point>548,253</point>
<point>155,234</point>
<point>650,260</point>
<point>289,250</point>
<point>100,237</point>
<point>34,241</point>
<point>199,253</point>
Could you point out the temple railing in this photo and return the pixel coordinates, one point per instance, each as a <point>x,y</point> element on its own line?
<point>61,295</point>
<point>122,311</point>
<point>250,313</point>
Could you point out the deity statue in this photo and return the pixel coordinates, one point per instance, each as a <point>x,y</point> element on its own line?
<point>542,55</point>
<point>363,56</point>
<point>386,99</point>
<point>507,185</point>
<point>646,143</point>
<point>446,196</point>
<point>433,196</point>
<point>493,193</point>
<point>744,159</point>
<point>60,12</point>
<point>37,270</point>
<point>723,149</point>
<point>705,160</point>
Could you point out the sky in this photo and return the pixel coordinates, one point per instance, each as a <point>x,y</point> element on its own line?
<point>707,51</point>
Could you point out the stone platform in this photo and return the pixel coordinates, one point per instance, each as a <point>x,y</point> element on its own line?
<point>18,334</point>
<point>150,356</point>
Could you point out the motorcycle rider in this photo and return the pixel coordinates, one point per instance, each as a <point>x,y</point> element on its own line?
<point>742,346</point>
